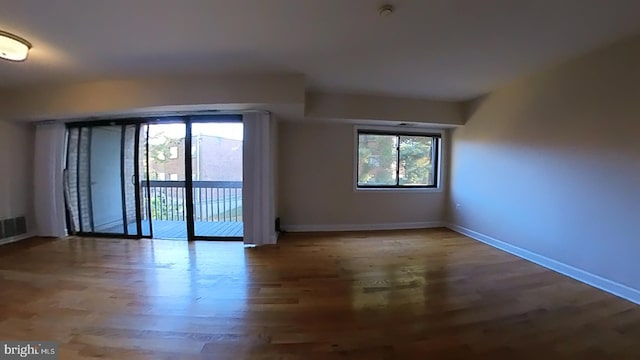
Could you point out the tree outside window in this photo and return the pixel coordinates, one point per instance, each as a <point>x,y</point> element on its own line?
<point>397,160</point>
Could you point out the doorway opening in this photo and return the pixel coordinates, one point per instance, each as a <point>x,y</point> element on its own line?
<point>166,188</point>
<point>216,152</point>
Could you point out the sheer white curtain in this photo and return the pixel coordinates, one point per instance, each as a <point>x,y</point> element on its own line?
<point>48,188</point>
<point>258,187</point>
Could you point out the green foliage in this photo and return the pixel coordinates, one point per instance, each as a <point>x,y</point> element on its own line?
<point>415,160</point>
<point>159,146</point>
<point>159,150</point>
<point>377,160</point>
<point>161,208</point>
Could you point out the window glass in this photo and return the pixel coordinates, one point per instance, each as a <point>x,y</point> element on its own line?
<point>416,165</point>
<point>377,159</point>
<point>389,160</point>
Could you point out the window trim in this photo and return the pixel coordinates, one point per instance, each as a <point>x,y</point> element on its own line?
<point>437,134</point>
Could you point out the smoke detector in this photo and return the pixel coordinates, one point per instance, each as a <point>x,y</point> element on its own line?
<point>385,10</point>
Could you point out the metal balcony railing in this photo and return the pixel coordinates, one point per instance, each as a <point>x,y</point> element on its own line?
<point>215,201</point>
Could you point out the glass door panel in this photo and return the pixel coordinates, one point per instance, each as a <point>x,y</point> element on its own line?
<point>143,173</point>
<point>85,207</point>
<point>216,158</point>
<point>101,192</point>
<point>72,200</point>
<point>129,179</point>
<point>167,182</point>
<point>107,195</point>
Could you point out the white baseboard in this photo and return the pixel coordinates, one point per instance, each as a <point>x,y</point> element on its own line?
<point>586,277</point>
<point>362,227</point>
<point>16,238</point>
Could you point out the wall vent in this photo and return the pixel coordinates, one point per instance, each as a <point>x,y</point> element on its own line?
<point>13,227</point>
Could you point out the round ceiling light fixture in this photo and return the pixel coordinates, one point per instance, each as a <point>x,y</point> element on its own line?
<point>13,48</point>
<point>385,10</point>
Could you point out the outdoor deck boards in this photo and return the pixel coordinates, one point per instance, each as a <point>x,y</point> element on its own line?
<point>223,228</point>
<point>171,229</point>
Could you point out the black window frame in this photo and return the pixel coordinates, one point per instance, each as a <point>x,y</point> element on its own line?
<point>437,141</point>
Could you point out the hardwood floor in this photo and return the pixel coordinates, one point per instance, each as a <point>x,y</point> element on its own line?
<point>424,294</point>
<point>177,230</point>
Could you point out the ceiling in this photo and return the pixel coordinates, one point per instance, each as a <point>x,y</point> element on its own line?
<point>440,49</point>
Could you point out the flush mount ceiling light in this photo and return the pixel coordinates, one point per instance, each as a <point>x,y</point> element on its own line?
<point>12,47</point>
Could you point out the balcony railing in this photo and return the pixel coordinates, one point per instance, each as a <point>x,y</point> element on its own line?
<point>214,201</point>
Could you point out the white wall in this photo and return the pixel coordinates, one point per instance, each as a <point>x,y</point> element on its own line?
<point>551,164</point>
<point>16,171</point>
<point>316,177</point>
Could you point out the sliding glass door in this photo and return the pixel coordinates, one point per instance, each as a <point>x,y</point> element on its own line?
<point>102,191</point>
<point>169,178</point>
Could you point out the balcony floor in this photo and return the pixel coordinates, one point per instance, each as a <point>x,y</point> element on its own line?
<point>167,229</point>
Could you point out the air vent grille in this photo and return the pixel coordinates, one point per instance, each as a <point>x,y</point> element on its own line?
<point>13,227</point>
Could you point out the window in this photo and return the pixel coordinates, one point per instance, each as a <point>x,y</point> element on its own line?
<point>173,177</point>
<point>397,160</point>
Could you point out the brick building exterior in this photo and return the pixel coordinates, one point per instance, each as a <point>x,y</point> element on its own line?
<point>213,159</point>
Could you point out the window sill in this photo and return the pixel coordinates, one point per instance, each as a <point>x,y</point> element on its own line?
<point>402,189</point>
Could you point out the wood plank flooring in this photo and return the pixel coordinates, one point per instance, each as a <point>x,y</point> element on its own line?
<point>423,294</point>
